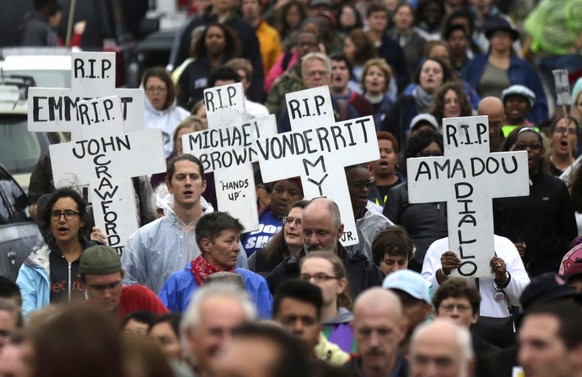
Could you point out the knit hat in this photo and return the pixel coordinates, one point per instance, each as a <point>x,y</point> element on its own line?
<point>519,90</point>
<point>410,282</point>
<point>99,260</point>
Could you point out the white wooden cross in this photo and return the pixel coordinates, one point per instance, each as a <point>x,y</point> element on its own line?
<point>92,76</point>
<point>468,177</point>
<point>105,158</point>
<point>226,149</point>
<point>318,149</point>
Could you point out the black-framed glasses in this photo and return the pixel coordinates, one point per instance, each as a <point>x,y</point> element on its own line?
<point>318,278</point>
<point>69,214</point>
<point>288,220</point>
<point>524,146</point>
<point>360,185</point>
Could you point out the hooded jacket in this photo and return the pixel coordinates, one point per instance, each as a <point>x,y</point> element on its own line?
<point>34,278</point>
<point>159,249</point>
<point>166,120</point>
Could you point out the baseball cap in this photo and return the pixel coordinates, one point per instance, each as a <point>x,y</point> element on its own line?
<point>422,119</point>
<point>410,282</point>
<point>99,260</point>
<point>573,270</point>
<point>519,90</point>
<point>543,288</point>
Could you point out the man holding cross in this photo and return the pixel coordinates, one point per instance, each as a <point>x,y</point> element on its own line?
<point>154,252</point>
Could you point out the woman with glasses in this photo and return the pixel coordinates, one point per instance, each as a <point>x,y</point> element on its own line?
<point>286,243</point>
<point>160,105</point>
<point>49,275</point>
<point>425,222</point>
<point>542,224</point>
<point>326,271</point>
<point>283,193</point>
<point>564,131</point>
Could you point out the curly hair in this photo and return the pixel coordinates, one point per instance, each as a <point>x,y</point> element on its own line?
<point>438,105</point>
<point>232,47</point>
<point>44,212</point>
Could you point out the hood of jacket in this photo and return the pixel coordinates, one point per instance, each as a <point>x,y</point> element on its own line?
<point>343,316</point>
<point>168,207</point>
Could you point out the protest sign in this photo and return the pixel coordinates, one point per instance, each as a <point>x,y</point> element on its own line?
<point>226,149</point>
<point>318,149</point>
<point>468,177</point>
<point>105,158</point>
<point>92,76</point>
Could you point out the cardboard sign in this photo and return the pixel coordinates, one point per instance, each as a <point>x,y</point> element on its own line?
<point>226,149</point>
<point>468,177</point>
<point>562,86</point>
<point>318,150</point>
<point>105,158</point>
<point>92,76</point>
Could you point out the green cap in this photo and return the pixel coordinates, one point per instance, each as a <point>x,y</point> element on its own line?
<point>99,260</point>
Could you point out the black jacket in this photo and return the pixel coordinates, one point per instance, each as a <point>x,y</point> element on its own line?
<point>248,41</point>
<point>544,220</point>
<point>362,274</point>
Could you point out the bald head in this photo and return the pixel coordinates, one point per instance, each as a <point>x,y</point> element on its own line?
<point>380,300</point>
<point>326,206</point>
<point>321,225</point>
<point>493,108</point>
<point>441,341</point>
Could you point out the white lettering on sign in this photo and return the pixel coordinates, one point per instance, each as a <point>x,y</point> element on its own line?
<point>468,177</point>
<point>105,158</point>
<point>318,149</point>
<point>92,76</point>
<point>226,149</point>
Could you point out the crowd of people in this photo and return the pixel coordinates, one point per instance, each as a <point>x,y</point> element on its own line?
<point>194,294</point>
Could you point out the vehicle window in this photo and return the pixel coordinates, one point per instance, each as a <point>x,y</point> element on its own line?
<point>47,78</point>
<point>12,200</point>
<point>19,149</point>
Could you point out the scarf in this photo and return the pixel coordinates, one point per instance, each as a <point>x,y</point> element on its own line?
<point>422,99</point>
<point>201,270</point>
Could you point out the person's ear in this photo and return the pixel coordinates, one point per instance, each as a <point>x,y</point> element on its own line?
<point>205,245</point>
<point>474,318</point>
<point>340,231</point>
<point>342,285</point>
<point>204,183</point>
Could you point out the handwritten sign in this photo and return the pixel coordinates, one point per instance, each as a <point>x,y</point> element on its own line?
<point>562,85</point>
<point>318,149</point>
<point>467,178</point>
<point>92,76</point>
<point>226,149</point>
<point>105,158</point>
